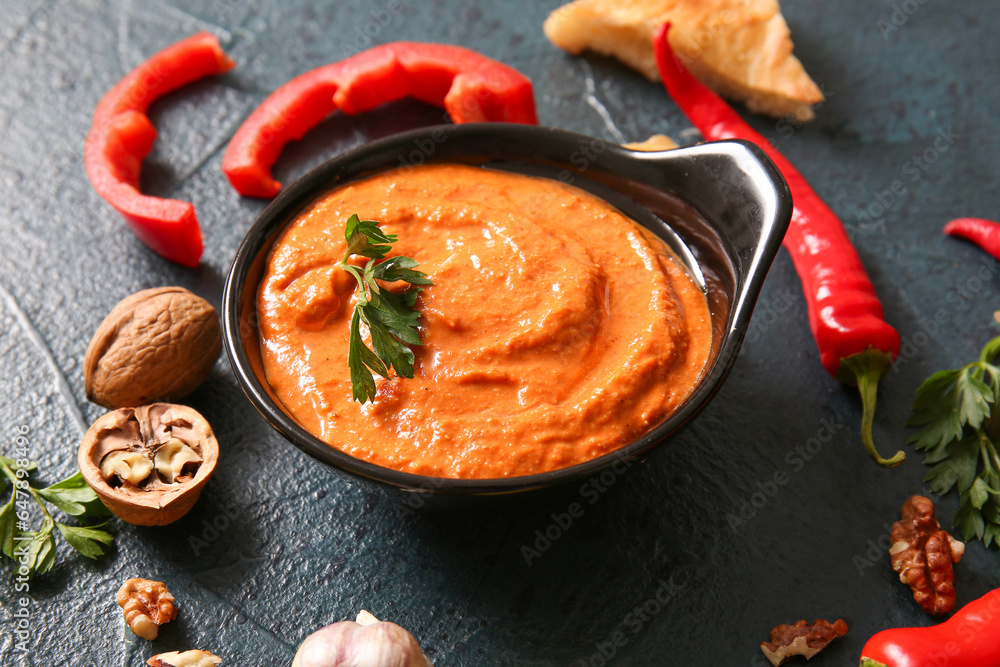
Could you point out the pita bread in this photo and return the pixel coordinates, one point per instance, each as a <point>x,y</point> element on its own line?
<point>740,48</point>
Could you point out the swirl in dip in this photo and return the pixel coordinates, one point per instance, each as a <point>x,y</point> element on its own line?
<point>555,332</point>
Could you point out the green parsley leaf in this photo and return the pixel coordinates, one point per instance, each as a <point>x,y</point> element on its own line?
<point>42,553</point>
<point>86,540</point>
<point>360,359</point>
<point>390,316</point>
<point>74,496</point>
<point>36,550</point>
<point>8,528</point>
<point>12,464</point>
<point>366,238</point>
<point>959,415</point>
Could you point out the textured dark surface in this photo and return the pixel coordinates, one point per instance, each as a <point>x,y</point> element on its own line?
<point>295,547</point>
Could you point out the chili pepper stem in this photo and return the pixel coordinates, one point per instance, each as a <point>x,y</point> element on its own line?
<point>864,370</point>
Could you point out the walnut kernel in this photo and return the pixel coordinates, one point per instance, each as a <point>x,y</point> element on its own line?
<point>924,556</point>
<point>789,641</point>
<point>147,605</point>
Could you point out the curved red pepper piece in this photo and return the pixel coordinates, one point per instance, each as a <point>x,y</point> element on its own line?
<point>984,233</point>
<point>468,85</point>
<point>855,344</point>
<point>121,135</point>
<point>970,638</point>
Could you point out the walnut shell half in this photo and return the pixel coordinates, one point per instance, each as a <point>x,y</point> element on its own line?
<point>149,464</point>
<point>156,345</point>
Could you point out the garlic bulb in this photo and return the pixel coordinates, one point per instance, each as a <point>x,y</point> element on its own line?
<point>367,643</point>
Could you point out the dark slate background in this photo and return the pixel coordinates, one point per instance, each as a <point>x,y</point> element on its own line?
<point>278,546</point>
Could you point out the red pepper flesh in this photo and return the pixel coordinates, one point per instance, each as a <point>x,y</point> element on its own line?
<point>984,233</point>
<point>855,343</point>
<point>121,135</point>
<point>468,85</point>
<point>970,638</point>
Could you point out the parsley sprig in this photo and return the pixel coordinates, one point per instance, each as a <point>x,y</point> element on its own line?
<point>36,549</point>
<point>959,411</point>
<point>391,318</point>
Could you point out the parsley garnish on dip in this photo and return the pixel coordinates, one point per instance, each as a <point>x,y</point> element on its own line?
<point>391,318</point>
<point>556,331</point>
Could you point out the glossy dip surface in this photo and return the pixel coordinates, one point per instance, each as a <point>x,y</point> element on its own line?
<point>556,330</point>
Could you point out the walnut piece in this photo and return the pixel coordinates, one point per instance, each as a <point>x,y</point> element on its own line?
<point>148,464</point>
<point>156,345</point>
<point>923,554</point>
<point>790,641</point>
<point>193,658</point>
<point>147,605</point>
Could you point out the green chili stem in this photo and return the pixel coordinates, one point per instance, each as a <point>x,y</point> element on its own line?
<point>864,370</point>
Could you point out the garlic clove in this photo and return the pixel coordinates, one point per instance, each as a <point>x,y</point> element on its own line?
<point>171,458</point>
<point>365,618</point>
<point>131,467</point>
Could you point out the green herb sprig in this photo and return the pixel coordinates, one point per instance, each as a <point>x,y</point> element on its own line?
<point>36,549</point>
<point>390,317</point>
<point>959,411</point>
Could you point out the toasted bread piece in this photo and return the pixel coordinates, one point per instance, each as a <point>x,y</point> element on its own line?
<point>740,48</point>
<point>656,142</point>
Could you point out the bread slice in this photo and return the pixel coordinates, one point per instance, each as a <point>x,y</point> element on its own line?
<point>740,48</point>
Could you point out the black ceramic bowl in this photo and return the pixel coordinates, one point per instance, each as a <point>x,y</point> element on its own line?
<point>722,207</point>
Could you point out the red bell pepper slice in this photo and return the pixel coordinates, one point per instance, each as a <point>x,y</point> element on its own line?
<point>856,345</point>
<point>121,135</point>
<point>468,85</point>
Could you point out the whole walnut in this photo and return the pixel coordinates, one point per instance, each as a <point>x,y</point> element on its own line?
<point>156,345</point>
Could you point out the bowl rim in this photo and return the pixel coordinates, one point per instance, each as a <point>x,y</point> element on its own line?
<point>283,209</point>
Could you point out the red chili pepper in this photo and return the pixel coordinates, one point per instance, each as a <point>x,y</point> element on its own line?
<point>856,345</point>
<point>984,233</point>
<point>970,638</point>
<point>121,135</point>
<point>468,85</point>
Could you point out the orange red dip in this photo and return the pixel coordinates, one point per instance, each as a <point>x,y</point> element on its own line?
<point>556,330</point>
